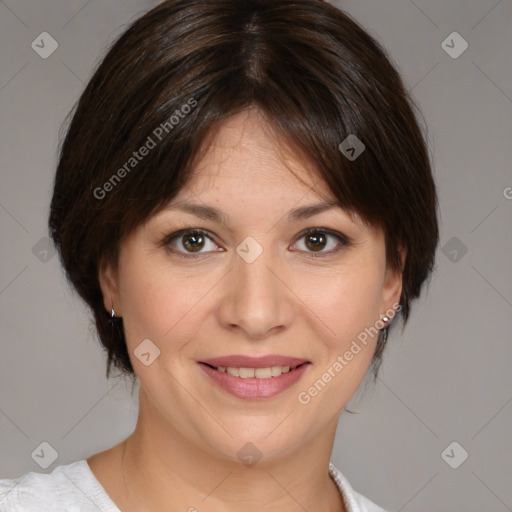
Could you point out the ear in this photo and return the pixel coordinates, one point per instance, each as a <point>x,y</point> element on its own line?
<point>108,279</point>
<point>392,287</point>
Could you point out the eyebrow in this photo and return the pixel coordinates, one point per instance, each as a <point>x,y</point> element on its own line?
<point>211,213</point>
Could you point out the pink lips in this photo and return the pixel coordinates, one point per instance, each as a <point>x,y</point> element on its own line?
<point>253,388</point>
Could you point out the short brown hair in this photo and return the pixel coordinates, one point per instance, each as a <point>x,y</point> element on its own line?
<point>313,72</point>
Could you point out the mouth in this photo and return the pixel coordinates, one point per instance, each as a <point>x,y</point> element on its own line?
<point>266,372</point>
<point>255,378</point>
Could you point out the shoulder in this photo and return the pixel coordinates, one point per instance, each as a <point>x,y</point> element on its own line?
<point>70,487</point>
<point>354,501</point>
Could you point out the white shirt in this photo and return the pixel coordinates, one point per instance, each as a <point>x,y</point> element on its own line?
<point>74,488</point>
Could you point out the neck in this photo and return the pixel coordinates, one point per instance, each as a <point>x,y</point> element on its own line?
<point>159,466</point>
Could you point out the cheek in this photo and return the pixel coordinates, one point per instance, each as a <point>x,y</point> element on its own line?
<point>346,302</point>
<point>348,309</point>
<point>159,304</point>
<point>144,304</point>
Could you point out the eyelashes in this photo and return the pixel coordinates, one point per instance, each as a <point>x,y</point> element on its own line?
<point>198,238</point>
<point>194,234</point>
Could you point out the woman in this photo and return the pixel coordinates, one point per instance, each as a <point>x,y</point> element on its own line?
<point>244,199</point>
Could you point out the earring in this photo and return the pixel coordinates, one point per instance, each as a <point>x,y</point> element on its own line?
<point>384,318</point>
<point>113,315</point>
<point>385,334</point>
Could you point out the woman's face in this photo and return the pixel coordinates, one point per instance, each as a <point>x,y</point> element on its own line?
<point>254,285</point>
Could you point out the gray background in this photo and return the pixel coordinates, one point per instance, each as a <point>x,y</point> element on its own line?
<point>446,378</point>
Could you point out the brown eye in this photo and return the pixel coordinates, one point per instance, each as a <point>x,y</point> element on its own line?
<point>317,239</point>
<point>189,242</point>
<point>193,241</point>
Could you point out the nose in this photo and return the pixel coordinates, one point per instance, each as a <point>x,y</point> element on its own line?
<point>256,299</point>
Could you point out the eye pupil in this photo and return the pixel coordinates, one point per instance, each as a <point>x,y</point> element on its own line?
<point>194,238</point>
<point>319,241</point>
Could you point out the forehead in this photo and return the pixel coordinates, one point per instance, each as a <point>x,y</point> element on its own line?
<point>245,147</point>
<point>243,166</point>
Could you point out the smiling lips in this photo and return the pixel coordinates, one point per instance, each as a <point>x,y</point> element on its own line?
<point>254,377</point>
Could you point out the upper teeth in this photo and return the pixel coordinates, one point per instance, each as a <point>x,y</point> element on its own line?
<point>259,373</point>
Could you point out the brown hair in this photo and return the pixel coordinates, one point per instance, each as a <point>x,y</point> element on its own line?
<point>184,66</point>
